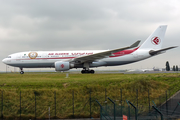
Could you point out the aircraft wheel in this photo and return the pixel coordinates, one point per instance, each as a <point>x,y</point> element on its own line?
<point>86,71</point>
<point>92,71</point>
<point>82,71</point>
<point>22,72</point>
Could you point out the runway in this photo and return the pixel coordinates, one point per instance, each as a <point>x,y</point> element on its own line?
<point>135,72</point>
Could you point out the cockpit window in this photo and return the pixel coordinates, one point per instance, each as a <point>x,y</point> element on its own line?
<point>9,57</point>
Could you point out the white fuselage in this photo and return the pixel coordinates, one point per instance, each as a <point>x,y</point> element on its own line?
<point>48,58</point>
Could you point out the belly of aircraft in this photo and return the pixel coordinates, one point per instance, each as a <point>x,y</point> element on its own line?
<point>33,65</point>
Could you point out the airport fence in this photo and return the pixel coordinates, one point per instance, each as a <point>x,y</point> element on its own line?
<point>165,107</point>
<point>44,104</point>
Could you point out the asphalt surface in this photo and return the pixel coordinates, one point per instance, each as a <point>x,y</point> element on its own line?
<point>135,72</point>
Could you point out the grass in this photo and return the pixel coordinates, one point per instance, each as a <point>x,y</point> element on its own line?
<point>48,87</point>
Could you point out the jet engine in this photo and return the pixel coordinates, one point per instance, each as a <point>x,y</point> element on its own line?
<point>63,66</point>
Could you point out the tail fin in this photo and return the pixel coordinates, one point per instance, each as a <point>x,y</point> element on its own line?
<point>155,40</point>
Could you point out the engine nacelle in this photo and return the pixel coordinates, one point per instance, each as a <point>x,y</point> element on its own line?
<point>62,66</point>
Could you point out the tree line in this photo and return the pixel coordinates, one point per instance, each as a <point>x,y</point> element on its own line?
<point>175,68</point>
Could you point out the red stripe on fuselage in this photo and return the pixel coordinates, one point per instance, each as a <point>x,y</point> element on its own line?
<point>47,58</point>
<point>124,52</point>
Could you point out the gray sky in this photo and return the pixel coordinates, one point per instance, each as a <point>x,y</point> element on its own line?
<point>88,25</point>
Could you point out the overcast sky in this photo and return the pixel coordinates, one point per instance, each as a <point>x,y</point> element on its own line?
<point>88,25</point>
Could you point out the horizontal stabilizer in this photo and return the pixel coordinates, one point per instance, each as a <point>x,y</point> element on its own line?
<point>152,52</point>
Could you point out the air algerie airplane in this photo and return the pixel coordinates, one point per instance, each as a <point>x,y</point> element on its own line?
<point>65,60</point>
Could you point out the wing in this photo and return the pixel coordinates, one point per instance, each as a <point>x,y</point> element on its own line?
<point>100,55</point>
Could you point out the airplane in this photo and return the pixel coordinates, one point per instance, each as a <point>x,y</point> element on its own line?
<point>144,70</point>
<point>86,59</point>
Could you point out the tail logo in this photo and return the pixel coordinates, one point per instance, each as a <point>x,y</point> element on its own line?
<point>156,40</point>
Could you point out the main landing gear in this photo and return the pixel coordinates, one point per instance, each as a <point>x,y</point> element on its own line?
<point>87,71</point>
<point>22,72</point>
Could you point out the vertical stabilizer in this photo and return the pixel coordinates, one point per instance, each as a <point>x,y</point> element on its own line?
<point>155,40</point>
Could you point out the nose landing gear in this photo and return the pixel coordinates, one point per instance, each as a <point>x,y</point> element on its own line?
<point>22,72</point>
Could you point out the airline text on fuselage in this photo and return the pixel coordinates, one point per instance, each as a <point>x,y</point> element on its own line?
<point>83,53</point>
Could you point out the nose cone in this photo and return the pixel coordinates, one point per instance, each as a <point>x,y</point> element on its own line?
<point>4,60</point>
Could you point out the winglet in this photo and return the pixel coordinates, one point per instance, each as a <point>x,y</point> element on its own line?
<point>135,44</point>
